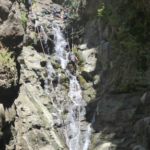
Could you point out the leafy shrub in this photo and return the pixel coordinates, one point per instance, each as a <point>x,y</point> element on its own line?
<point>6,59</point>
<point>100,11</point>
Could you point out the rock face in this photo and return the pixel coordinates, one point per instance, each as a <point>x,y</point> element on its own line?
<point>25,118</point>
<point>120,106</point>
<point>113,71</point>
<point>4,9</point>
<point>11,37</point>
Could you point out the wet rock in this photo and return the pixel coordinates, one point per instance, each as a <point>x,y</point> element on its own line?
<point>54,63</point>
<point>64,81</point>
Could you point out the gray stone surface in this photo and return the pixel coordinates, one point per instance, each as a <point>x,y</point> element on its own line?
<point>89,57</point>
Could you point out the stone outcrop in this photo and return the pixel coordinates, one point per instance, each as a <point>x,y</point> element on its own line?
<point>5,7</point>
<point>11,30</point>
<point>25,118</point>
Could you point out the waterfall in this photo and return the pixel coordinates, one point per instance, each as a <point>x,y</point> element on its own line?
<point>76,131</point>
<point>60,44</point>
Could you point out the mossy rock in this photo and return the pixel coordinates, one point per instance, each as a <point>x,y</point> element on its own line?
<point>64,81</point>
<point>82,81</point>
<point>80,68</point>
<point>23,18</point>
<point>54,63</point>
<point>89,94</point>
<point>64,78</point>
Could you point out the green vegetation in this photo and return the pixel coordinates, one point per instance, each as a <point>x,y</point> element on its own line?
<point>5,58</point>
<point>30,46</point>
<point>100,11</point>
<point>130,24</point>
<point>54,63</point>
<point>82,81</point>
<point>35,38</point>
<point>74,7</point>
<point>23,18</point>
<point>34,3</point>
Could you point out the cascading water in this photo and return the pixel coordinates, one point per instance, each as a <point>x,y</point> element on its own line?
<point>76,131</point>
<point>60,44</point>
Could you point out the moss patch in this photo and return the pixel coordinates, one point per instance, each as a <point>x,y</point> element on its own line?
<point>54,63</point>
<point>23,18</point>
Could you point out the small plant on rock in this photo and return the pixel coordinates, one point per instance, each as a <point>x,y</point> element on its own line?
<point>100,11</point>
<point>6,58</point>
<point>35,38</point>
<point>23,18</point>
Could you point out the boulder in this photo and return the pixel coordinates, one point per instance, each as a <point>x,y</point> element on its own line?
<point>11,31</point>
<point>5,8</point>
<point>90,59</point>
<point>145,99</point>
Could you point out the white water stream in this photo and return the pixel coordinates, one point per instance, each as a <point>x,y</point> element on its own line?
<point>60,44</point>
<point>76,131</point>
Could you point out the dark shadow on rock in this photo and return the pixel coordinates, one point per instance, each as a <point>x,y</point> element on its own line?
<point>8,96</point>
<point>6,136</point>
<point>11,41</point>
<point>60,2</point>
<point>48,47</point>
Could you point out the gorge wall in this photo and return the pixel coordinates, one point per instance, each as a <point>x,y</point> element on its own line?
<point>112,69</point>
<point>117,33</point>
